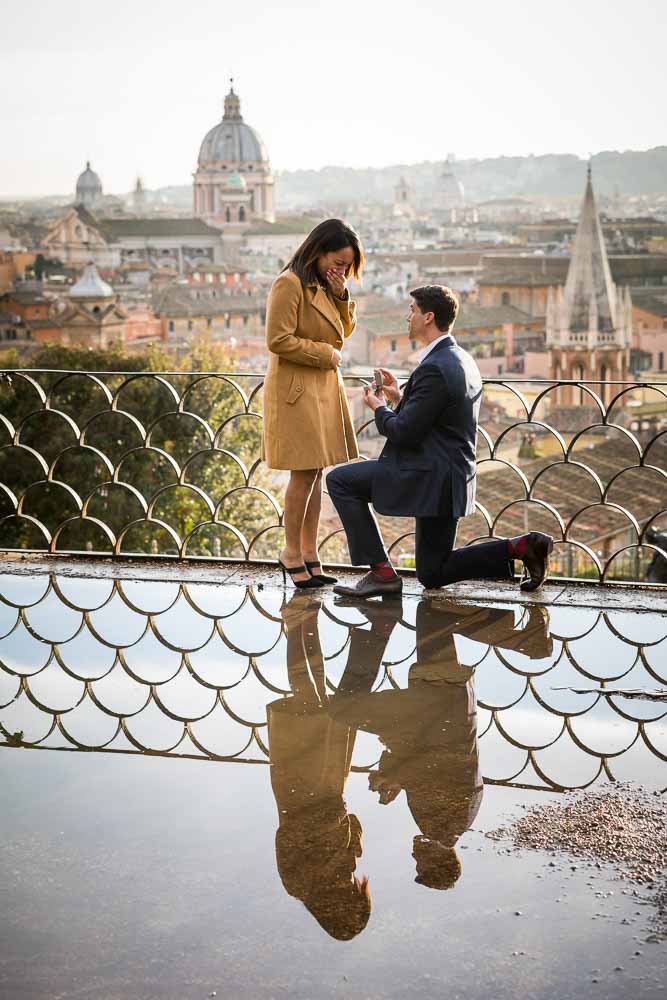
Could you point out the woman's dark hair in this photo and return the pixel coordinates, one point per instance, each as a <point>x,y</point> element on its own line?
<point>327,237</point>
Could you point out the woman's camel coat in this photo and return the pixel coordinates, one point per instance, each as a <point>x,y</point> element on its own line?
<point>307,422</point>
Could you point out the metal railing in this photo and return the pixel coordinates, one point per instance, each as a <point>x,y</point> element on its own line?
<point>193,670</point>
<point>168,464</point>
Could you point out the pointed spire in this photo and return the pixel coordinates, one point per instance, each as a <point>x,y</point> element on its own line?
<point>589,275</point>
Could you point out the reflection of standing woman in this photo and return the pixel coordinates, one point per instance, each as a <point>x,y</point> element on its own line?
<point>307,422</point>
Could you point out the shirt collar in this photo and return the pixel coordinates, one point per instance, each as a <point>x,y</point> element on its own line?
<point>425,351</point>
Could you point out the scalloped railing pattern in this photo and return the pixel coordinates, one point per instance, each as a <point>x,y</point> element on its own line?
<point>151,440</point>
<point>176,669</point>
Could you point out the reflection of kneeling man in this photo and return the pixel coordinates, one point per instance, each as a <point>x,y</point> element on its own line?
<point>429,729</point>
<point>427,468</point>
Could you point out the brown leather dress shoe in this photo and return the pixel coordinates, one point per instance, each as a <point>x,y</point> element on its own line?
<point>536,559</point>
<point>371,585</point>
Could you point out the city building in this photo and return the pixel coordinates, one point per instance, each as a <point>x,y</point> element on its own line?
<point>139,198</point>
<point>79,237</point>
<point>89,316</point>
<point>230,313</point>
<point>450,194</point>
<point>523,278</point>
<point>233,182</point>
<point>589,319</point>
<point>403,200</point>
<point>649,330</point>
<point>89,189</point>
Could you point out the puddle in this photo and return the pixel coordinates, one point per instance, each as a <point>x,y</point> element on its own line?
<point>265,794</point>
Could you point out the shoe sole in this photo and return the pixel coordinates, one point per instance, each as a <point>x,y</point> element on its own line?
<point>367,593</point>
<point>545,550</point>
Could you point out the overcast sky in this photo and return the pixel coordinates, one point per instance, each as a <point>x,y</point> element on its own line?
<point>133,85</point>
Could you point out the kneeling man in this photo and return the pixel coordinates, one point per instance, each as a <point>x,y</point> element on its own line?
<point>427,468</point>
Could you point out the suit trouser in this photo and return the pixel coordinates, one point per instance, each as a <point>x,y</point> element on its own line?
<point>437,561</point>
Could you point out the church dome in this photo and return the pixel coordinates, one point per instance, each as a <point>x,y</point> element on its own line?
<point>231,140</point>
<point>91,286</point>
<point>88,185</point>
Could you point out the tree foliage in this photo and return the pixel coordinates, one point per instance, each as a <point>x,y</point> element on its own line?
<point>157,459</point>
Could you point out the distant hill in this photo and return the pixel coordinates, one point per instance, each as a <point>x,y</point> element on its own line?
<point>554,175</point>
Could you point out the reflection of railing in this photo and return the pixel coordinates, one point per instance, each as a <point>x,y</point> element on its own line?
<point>181,669</point>
<point>169,464</point>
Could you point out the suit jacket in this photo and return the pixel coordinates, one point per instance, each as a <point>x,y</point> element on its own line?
<point>427,467</point>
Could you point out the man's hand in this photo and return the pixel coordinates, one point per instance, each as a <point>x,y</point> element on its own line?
<point>390,384</point>
<point>336,358</point>
<point>387,790</point>
<point>373,397</point>
<point>336,282</point>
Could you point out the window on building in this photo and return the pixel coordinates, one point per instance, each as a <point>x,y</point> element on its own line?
<point>189,324</point>
<point>209,322</point>
<point>228,321</point>
<point>505,299</point>
<point>171,326</point>
<point>393,345</point>
<point>245,320</point>
<point>661,361</point>
<point>228,215</point>
<point>413,345</point>
<point>241,214</point>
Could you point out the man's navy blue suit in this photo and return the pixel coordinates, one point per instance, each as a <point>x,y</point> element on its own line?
<point>426,470</point>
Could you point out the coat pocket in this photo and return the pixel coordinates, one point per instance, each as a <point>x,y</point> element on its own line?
<point>295,389</point>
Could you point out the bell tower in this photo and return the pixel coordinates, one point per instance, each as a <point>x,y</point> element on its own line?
<point>589,321</point>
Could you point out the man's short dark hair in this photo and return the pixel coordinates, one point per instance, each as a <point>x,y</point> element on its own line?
<point>439,300</point>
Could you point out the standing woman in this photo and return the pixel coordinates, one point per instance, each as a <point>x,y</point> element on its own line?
<point>307,422</point>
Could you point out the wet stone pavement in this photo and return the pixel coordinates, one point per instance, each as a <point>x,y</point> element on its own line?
<point>225,788</point>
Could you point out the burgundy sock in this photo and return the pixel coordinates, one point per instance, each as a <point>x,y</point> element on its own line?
<point>516,547</point>
<point>383,569</point>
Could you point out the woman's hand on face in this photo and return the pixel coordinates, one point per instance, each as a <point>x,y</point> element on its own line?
<point>336,282</point>
<point>336,358</point>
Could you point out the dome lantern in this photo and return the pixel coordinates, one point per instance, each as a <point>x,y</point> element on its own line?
<point>232,106</point>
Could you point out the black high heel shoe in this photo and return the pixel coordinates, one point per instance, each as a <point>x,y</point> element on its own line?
<point>320,577</point>
<point>299,584</point>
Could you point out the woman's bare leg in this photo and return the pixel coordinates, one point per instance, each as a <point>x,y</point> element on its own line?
<point>297,496</point>
<point>311,522</point>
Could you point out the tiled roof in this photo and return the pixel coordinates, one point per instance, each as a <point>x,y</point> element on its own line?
<point>116,229</point>
<point>653,300</point>
<point>180,301</point>
<point>471,317</point>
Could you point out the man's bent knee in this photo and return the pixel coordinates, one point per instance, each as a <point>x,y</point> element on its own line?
<point>334,481</point>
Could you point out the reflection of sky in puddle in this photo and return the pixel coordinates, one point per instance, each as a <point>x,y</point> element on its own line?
<point>192,669</point>
<point>159,871</point>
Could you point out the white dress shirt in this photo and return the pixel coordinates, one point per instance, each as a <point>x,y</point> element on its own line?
<point>425,351</point>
